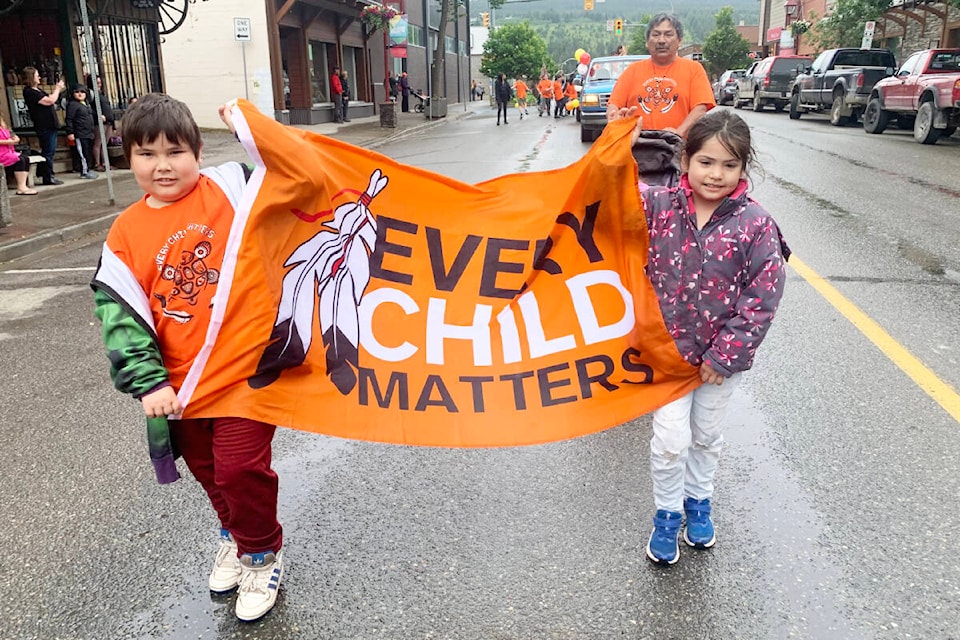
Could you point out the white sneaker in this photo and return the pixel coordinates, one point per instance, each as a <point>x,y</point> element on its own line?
<point>225,575</point>
<point>259,583</point>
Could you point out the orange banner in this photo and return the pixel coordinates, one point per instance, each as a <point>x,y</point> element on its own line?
<point>367,299</point>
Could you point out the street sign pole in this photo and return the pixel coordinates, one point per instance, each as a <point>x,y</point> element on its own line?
<point>241,32</point>
<point>867,40</point>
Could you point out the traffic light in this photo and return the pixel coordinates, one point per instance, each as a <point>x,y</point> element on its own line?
<point>486,18</point>
<point>588,5</point>
<point>618,27</point>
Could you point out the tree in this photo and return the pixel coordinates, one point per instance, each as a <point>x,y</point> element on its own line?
<point>516,50</point>
<point>844,26</point>
<point>725,48</point>
<point>638,39</point>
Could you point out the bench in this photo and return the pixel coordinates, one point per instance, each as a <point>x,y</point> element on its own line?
<point>31,176</point>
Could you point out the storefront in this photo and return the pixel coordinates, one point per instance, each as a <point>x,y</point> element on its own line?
<point>49,36</point>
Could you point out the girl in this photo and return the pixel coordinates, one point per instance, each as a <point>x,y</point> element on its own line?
<point>9,157</point>
<point>502,92</point>
<point>717,263</point>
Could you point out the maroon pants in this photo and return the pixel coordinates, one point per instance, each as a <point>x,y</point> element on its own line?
<point>230,457</point>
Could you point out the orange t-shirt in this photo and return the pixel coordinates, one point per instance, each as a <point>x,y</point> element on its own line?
<point>175,253</point>
<point>557,89</point>
<point>665,95</point>
<point>545,87</point>
<point>571,91</point>
<point>521,88</point>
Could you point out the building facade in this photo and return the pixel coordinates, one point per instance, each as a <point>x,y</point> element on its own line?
<point>277,53</point>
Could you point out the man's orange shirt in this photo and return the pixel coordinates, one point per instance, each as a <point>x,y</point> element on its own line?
<point>557,89</point>
<point>521,88</point>
<point>571,91</point>
<point>665,95</point>
<point>545,87</point>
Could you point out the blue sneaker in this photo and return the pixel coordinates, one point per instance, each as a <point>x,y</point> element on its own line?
<point>698,531</point>
<point>662,547</point>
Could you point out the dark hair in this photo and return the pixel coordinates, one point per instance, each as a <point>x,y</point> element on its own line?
<point>155,114</point>
<point>731,131</point>
<point>669,17</point>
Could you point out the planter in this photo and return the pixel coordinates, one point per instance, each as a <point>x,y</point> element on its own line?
<point>388,114</point>
<point>437,108</point>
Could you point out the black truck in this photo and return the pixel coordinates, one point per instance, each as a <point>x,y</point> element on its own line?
<point>840,80</point>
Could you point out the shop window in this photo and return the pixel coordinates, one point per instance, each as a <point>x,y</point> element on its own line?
<point>319,78</point>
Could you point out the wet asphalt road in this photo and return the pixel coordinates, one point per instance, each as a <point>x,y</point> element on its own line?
<point>836,499</point>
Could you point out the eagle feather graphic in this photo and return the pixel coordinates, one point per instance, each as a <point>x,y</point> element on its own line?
<point>332,267</point>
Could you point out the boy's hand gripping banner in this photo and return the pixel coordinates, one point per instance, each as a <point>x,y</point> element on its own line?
<point>367,299</point>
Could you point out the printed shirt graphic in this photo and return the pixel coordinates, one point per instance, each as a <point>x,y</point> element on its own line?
<point>175,255</point>
<point>665,95</point>
<point>367,299</point>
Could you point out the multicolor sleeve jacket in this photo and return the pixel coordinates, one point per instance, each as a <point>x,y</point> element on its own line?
<point>153,291</point>
<point>719,286</point>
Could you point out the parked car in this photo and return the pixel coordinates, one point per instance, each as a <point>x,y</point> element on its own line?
<point>598,82</point>
<point>923,94</point>
<point>840,80</point>
<point>725,88</point>
<point>768,81</point>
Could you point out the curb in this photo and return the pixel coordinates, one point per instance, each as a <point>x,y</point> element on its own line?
<point>40,241</point>
<point>32,244</point>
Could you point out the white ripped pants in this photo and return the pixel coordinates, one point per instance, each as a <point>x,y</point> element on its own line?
<point>686,444</point>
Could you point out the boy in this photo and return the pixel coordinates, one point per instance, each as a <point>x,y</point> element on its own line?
<point>154,291</point>
<point>80,130</point>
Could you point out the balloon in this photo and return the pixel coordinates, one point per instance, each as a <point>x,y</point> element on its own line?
<point>582,68</point>
<point>578,53</point>
<point>584,58</point>
<point>572,104</point>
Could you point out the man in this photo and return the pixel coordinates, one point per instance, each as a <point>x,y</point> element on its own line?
<point>345,85</point>
<point>43,112</point>
<point>671,92</point>
<point>521,88</point>
<point>336,89</point>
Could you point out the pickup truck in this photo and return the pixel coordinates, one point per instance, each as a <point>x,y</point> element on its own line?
<point>840,80</point>
<point>924,94</point>
<point>768,81</point>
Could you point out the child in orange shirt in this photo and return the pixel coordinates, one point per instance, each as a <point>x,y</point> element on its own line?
<point>154,290</point>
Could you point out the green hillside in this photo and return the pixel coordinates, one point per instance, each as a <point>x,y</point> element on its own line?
<point>697,15</point>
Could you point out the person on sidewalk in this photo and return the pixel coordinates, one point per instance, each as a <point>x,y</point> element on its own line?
<point>80,125</point>
<point>569,95</point>
<point>106,116</point>
<point>336,90</point>
<point>154,291</point>
<point>558,99</point>
<point>404,93</point>
<point>502,93</point>
<point>43,112</point>
<point>18,162</point>
<point>521,88</point>
<point>545,89</point>
<point>345,85</point>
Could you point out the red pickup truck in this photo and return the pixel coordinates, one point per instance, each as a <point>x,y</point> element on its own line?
<point>924,94</point>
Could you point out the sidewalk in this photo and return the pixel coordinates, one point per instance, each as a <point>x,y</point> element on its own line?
<point>81,207</point>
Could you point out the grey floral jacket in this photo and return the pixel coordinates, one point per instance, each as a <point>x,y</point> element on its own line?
<point>719,287</point>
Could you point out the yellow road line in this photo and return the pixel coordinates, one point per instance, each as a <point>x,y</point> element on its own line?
<point>941,392</point>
